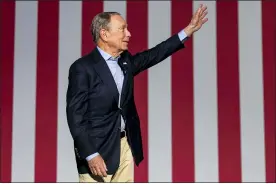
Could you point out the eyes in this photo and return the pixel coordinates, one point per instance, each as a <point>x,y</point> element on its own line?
<point>122,28</point>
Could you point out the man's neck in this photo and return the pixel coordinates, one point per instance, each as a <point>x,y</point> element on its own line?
<point>109,50</point>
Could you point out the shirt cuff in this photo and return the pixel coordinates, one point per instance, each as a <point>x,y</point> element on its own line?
<point>92,156</point>
<point>182,35</point>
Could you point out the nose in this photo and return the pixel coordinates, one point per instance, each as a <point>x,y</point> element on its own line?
<point>128,33</point>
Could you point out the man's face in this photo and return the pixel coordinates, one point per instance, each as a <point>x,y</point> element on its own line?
<point>118,35</point>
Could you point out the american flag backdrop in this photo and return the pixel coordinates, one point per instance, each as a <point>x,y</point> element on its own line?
<point>207,112</point>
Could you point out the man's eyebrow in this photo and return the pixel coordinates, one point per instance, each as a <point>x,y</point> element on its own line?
<point>124,25</point>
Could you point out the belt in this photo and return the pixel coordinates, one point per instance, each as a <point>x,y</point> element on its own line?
<point>123,134</point>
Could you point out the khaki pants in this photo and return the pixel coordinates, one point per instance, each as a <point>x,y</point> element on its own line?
<point>125,172</point>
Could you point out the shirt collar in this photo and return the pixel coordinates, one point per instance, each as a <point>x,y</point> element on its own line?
<point>106,56</point>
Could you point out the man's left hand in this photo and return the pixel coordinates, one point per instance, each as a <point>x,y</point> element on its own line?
<point>197,20</point>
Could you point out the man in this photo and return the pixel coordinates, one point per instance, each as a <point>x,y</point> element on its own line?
<point>101,111</point>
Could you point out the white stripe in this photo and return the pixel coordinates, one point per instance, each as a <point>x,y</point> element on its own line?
<point>69,50</point>
<point>115,6</point>
<point>159,86</point>
<point>251,91</point>
<point>24,107</point>
<point>205,98</point>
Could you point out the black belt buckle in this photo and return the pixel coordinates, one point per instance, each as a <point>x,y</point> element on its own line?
<point>123,134</point>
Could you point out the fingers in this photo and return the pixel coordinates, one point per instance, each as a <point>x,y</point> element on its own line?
<point>198,19</point>
<point>203,15</point>
<point>204,20</point>
<point>99,173</point>
<point>103,171</point>
<point>99,170</point>
<point>201,10</point>
<point>98,167</point>
<point>104,166</point>
<point>94,171</point>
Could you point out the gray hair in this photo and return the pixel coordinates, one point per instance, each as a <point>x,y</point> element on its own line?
<point>100,21</point>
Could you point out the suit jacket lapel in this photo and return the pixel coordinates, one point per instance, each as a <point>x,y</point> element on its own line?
<point>123,62</point>
<point>104,73</point>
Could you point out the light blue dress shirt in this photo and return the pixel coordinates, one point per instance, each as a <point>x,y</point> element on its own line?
<point>119,77</point>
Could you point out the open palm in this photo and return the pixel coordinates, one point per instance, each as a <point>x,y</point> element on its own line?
<point>198,18</point>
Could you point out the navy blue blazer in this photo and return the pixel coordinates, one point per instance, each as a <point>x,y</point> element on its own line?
<point>92,108</point>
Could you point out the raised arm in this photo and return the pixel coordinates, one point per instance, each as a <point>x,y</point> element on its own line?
<point>146,59</point>
<point>143,60</point>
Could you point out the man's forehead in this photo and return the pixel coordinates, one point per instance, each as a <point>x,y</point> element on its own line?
<point>118,19</point>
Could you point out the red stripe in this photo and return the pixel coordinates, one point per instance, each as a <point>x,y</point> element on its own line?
<point>269,58</point>
<point>139,42</point>
<point>228,92</point>
<point>7,19</point>
<point>89,10</point>
<point>182,99</point>
<point>46,98</point>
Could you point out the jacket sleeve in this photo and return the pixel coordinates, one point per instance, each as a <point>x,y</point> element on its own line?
<point>76,107</point>
<point>146,59</point>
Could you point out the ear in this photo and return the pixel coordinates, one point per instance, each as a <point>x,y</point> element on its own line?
<point>103,34</point>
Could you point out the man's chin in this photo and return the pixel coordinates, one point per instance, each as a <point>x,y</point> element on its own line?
<point>124,48</point>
